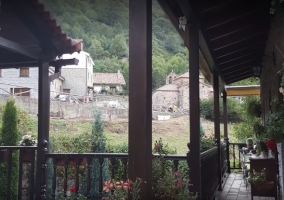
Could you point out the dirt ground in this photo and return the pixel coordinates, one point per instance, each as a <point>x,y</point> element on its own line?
<point>178,125</point>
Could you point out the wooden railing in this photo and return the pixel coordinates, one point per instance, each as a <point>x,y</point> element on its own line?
<point>234,155</point>
<point>209,173</point>
<point>64,163</point>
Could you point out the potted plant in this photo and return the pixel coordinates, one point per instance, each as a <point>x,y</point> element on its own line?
<point>275,123</point>
<point>249,143</point>
<point>258,180</point>
<point>261,148</point>
<point>254,107</point>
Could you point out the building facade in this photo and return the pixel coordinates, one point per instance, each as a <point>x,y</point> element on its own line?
<point>78,78</point>
<point>175,92</point>
<point>24,82</point>
<point>108,82</point>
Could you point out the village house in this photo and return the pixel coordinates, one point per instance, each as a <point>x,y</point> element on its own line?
<point>75,79</point>
<point>108,82</point>
<point>78,78</point>
<point>175,92</point>
<point>24,82</point>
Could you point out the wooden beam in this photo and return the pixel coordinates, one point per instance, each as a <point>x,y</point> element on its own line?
<point>140,94</point>
<point>43,128</point>
<point>64,62</point>
<point>240,45</point>
<point>239,61</point>
<point>217,125</point>
<point>18,48</point>
<point>18,65</point>
<point>243,90</point>
<point>233,80</point>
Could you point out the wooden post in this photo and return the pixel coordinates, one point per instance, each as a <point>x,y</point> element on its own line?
<point>226,137</point>
<point>43,128</point>
<point>140,94</point>
<point>217,124</point>
<point>193,156</point>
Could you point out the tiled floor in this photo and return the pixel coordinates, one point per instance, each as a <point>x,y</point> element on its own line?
<point>235,189</point>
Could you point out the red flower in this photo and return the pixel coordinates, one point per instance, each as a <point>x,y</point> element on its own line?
<point>153,157</point>
<point>73,189</point>
<point>271,144</point>
<point>156,147</point>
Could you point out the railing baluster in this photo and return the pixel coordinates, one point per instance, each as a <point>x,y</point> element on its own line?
<point>8,189</point>
<point>176,162</point>
<point>113,162</point>
<point>77,177</point>
<point>101,161</point>
<point>65,177</point>
<point>54,178</point>
<point>89,178</point>
<point>124,161</point>
<point>234,156</point>
<point>32,185</point>
<point>20,173</point>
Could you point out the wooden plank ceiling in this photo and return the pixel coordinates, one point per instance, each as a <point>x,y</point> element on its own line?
<point>29,33</point>
<point>233,33</point>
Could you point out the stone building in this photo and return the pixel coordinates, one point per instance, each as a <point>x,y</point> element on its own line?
<point>24,82</point>
<point>78,78</point>
<point>108,81</point>
<point>175,92</point>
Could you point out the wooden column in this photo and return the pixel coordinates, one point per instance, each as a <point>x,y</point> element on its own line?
<point>217,123</point>
<point>43,128</point>
<point>140,93</point>
<point>226,138</point>
<point>193,156</point>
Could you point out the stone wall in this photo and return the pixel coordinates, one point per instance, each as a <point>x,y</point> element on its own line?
<point>166,98</point>
<point>70,110</point>
<point>270,80</point>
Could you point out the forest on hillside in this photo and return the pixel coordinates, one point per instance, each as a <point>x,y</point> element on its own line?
<point>104,27</point>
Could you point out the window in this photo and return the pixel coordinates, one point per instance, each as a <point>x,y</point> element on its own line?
<point>66,91</point>
<point>25,92</point>
<point>24,72</point>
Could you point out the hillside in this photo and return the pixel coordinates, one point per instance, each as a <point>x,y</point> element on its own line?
<point>174,132</point>
<point>103,26</point>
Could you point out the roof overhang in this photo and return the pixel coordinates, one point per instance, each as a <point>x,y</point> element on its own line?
<point>232,34</point>
<point>243,90</point>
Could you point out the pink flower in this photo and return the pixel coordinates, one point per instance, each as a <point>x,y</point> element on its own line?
<point>119,184</point>
<point>127,185</point>
<point>108,185</point>
<point>180,183</point>
<point>177,174</point>
<point>73,189</point>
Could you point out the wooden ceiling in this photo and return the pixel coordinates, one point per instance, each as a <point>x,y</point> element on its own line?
<point>29,33</point>
<point>233,33</point>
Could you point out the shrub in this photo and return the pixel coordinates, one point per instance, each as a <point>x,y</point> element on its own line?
<point>10,137</point>
<point>233,109</point>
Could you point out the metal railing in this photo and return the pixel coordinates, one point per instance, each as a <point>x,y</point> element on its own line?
<point>235,155</point>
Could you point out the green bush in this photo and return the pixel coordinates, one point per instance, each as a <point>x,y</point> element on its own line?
<point>10,137</point>
<point>233,109</point>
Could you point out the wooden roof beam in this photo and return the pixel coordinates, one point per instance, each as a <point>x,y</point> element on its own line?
<point>238,65</point>
<point>204,48</point>
<point>233,13</point>
<point>18,48</point>
<point>236,62</point>
<point>239,78</point>
<point>240,45</point>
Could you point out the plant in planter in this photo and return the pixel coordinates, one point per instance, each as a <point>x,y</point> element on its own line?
<point>275,123</point>
<point>254,107</point>
<point>249,143</point>
<point>258,180</point>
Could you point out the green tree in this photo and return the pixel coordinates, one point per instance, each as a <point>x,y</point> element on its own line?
<point>10,137</point>
<point>98,146</point>
<point>118,46</point>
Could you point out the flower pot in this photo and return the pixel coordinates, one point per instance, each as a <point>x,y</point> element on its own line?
<point>26,155</point>
<point>263,155</point>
